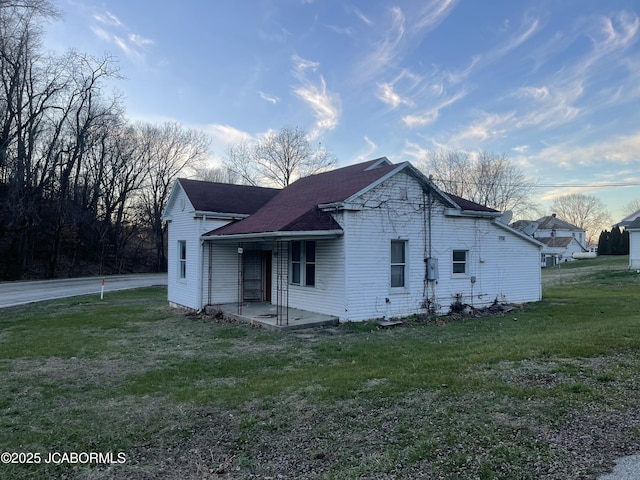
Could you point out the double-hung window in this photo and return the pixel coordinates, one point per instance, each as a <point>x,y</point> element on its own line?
<point>460,258</point>
<point>398,263</point>
<point>182,259</point>
<point>303,263</point>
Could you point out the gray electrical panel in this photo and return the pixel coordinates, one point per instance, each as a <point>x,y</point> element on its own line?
<point>432,268</point>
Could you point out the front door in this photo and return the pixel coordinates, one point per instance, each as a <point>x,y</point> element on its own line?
<point>251,276</point>
<point>256,276</point>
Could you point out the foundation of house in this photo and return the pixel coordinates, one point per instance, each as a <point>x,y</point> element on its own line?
<point>266,315</point>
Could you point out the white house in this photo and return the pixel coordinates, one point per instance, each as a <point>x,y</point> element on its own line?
<point>365,241</point>
<point>632,224</point>
<point>561,239</point>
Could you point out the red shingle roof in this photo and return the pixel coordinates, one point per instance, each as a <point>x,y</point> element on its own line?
<point>226,197</point>
<point>465,204</point>
<point>295,208</point>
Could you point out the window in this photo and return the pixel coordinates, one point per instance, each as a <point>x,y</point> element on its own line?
<point>310,263</point>
<point>303,263</point>
<point>398,263</point>
<point>460,261</point>
<point>182,259</point>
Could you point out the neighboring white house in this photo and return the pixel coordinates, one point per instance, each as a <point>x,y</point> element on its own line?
<point>632,224</point>
<point>561,239</point>
<point>365,241</point>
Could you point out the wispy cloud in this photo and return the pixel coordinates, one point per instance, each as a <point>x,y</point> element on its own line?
<point>481,60</point>
<point>367,152</point>
<point>387,94</point>
<point>326,105</point>
<point>268,98</point>
<point>430,115</point>
<point>615,151</point>
<point>358,13</point>
<point>433,13</point>
<point>110,29</point>
<point>550,106</point>
<point>490,125</point>
<point>226,135</point>
<point>403,32</point>
<point>107,18</point>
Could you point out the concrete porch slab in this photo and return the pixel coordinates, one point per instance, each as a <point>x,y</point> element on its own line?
<point>265,315</point>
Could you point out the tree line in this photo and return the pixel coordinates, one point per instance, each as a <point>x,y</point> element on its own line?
<point>81,188</point>
<point>613,242</point>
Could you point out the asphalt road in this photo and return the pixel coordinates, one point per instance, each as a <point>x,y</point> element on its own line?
<point>20,293</point>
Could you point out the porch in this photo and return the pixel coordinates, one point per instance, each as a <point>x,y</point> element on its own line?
<point>273,317</point>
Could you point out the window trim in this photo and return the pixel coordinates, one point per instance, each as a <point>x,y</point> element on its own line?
<point>303,263</point>
<point>464,263</point>
<point>404,264</point>
<point>182,259</point>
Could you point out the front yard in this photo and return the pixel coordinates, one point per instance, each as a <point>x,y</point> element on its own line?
<point>550,390</point>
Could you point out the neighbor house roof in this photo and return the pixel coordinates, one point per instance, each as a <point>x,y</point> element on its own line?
<point>296,208</point>
<point>629,219</point>
<point>634,225</point>
<point>226,197</point>
<point>552,222</point>
<point>556,242</point>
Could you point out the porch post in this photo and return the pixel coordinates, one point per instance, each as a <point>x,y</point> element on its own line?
<point>240,280</point>
<point>282,282</point>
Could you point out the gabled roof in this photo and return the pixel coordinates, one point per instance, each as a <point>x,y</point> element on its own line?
<point>551,222</point>
<point>225,197</point>
<point>297,208</point>
<point>559,242</point>
<point>629,219</point>
<point>635,225</point>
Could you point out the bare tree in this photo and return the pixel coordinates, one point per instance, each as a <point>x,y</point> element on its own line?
<point>632,207</point>
<point>279,158</point>
<point>167,151</point>
<point>216,174</point>
<point>485,178</point>
<point>240,162</point>
<point>584,211</point>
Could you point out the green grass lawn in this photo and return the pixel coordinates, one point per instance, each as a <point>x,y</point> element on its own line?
<point>549,390</point>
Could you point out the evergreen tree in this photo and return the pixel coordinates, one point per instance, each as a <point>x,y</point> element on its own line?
<point>624,243</point>
<point>602,242</point>
<point>615,241</point>
<point>604,245</point>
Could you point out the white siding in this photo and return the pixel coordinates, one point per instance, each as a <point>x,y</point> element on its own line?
<point>327,296</point>
<point>634,249</point>
<point>390,211</point>
<point>190,291</point>
<point>504,265</point>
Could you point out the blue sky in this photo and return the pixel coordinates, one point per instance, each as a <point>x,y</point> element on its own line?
<point>555,85</point>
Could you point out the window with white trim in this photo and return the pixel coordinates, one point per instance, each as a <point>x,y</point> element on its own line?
<point>303,263</point>
<point>398,263</point>
<point>182,259</point>
<point>460,259</point>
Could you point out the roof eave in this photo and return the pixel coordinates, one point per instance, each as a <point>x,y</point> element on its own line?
<point>518,233</point>
<point>279,235</point>
<point>219,215</point>
<point>455,212</point>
